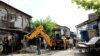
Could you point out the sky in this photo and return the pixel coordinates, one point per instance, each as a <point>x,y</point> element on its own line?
<point>63,12</point>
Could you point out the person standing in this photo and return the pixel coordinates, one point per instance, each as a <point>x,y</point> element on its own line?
<point>6,45</point>
<point>45,45</point>
<point>71,43</point>
<point>74,42</point>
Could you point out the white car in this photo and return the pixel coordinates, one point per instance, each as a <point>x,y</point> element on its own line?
<point>93,44</point>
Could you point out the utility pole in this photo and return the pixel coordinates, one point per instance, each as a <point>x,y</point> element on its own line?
<point>8,1</point>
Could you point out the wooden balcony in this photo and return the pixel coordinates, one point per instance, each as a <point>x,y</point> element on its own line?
<point>6,24</point>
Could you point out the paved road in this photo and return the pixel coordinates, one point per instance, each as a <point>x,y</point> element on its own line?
<point>68,52</point>
<point>64,53</point>
<point>49,53</point>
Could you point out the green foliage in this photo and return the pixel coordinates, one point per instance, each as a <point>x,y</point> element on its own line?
<point>47,23</point>
<point>89,4</point>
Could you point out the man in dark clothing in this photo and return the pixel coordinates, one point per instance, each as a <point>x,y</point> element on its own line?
<point>74,41</point>
<point>6,46</point>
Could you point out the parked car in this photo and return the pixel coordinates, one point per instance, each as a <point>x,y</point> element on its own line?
<point>93,44</point>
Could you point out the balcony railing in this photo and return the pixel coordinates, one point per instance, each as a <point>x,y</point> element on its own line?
<point>6,24</point>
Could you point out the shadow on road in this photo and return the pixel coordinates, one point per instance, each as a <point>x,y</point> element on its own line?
<point>86,54</point>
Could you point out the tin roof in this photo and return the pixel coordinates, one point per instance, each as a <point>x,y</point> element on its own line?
<point>87,22</point>
<point>59,27</point>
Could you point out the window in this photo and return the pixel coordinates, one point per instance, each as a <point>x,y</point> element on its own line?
<point>3,14</point>
<point>12,17</point>
<point>18,22</point>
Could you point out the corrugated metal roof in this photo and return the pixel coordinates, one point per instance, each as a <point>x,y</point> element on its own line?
<point>87,22</point>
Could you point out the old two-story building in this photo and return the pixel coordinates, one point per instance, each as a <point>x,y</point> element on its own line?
<point>12,18</point>
<point>90,28</point>
<point>13,22</point>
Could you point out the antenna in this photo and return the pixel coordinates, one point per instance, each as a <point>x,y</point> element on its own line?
<point>8,1</point>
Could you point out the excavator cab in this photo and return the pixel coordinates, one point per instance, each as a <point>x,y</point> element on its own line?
<point>60,39</point>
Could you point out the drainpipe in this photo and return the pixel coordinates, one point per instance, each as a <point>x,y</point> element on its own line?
<point>77,35</point>
<point>98,31</point>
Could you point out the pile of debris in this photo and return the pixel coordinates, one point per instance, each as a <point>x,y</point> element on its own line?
<point>30,49</point>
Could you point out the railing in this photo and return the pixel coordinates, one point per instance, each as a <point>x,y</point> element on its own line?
<point>6,24</point>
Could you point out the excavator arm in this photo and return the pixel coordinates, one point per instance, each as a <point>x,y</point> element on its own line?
<point>33,35</point>
<point>46,38</point>
<point>39,30</point>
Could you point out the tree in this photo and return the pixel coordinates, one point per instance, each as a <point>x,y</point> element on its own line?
<point>47,24</point>
<point>89,4</point>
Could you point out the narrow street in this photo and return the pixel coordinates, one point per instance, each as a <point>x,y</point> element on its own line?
<point>49,28</point>
<point>68,52</point>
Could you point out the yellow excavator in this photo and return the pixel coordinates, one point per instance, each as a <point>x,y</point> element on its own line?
<point>52,43</point>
